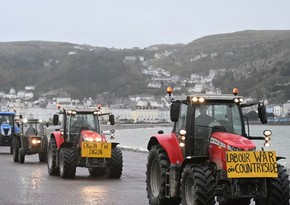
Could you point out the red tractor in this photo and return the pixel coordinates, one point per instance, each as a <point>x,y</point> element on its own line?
<point>80,143</point>
<point>210,155</point>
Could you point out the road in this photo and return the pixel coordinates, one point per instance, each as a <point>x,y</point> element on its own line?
<point>29,183</point>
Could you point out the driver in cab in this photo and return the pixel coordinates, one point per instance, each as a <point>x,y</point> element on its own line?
<point>203,119</point>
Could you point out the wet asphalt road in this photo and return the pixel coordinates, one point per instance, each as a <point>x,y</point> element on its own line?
<point>29,183</point>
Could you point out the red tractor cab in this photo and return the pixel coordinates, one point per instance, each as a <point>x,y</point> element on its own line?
<point>79,142</point>
<point>210,155</point>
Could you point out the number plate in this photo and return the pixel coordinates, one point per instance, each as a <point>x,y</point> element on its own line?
<point>96,149</point>
<point>251,164</point>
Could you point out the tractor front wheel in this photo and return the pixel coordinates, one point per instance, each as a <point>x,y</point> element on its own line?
<point>16,146</point>
<point>67,162</point>
<point>52,156</point>
<point>21,155</point>
<point>114,165</point>
<point>157,165</point>
<point>277,188</point>
<point>197,185</point>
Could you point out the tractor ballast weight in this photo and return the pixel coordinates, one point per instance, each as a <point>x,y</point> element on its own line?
<point>211,155</point>
<point>81,143</point>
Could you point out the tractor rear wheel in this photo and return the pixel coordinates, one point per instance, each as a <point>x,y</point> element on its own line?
<point>67,162</point>
<point>114,165</point>
<point>278,189</point>
<point>21,155</point>
<point>157,165</point>
<point>197,185</point>
<point>52,156</point>
<point>16,146</point>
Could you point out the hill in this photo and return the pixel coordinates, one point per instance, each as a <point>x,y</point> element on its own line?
<point>258,62</point>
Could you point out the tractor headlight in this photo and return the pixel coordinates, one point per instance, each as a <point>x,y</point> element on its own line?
<point>267,134</point>
<point>88,139</point>
<point>181,138</point>
<point>35,141</point>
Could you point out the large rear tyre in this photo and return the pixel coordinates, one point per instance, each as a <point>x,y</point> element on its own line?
<point>114,165</point>
<point>67,162</point>
<point>278,189</point>
<point>15,150</point>
<point>52,155</point>
<point>197,185</point>
<point>157,165</point>
<point>21,155</point>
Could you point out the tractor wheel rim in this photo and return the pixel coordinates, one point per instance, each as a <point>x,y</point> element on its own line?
<point>49,158</point>
<point>61,162</point>
<point>155,180</point>
<point>190,191</point>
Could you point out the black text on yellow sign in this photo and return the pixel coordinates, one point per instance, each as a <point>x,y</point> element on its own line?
<point>96,149</point>
<point>250,164</point>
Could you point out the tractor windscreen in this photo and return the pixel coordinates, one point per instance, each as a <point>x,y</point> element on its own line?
<point>33,128</point>
<point>85,120</point>
<point>6,119</point>
<point>223,117</point>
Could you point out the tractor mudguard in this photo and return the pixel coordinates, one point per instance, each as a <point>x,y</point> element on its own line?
<point>170,144</point>
<point>58,138</point>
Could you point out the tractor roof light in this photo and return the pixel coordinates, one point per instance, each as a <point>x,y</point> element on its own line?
<point>71,112</point>
<point>201,100</point>
<point>194,99</point>
<point>235,91</point>
<point>169,90</point>
<point>236,100</point>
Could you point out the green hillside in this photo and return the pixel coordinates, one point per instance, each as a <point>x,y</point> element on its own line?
<point>258,62</point>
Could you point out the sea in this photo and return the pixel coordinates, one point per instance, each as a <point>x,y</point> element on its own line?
<point>137,139</point>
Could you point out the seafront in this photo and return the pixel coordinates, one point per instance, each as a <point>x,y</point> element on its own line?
<point>118,126</point>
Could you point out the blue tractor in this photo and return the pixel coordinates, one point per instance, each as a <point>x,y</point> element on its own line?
<point>8,128</point>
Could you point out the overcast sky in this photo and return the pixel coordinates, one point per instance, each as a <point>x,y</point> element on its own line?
<point>136,23</point>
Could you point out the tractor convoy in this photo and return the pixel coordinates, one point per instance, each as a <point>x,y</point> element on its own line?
<point>209,156</point>
<point>81,143</point>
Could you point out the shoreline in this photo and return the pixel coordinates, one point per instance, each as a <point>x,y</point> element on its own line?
<point>135,126</point>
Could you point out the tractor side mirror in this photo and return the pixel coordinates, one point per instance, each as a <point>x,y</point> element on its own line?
<point>262,113</point>
<point>112,119</point>
<point>20,116</point>
<point>55,119</point>
<point>174,111</point>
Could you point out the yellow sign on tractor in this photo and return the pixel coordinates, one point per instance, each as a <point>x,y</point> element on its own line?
<point>96,149</point>
<point>250,164</point>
